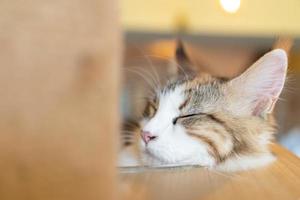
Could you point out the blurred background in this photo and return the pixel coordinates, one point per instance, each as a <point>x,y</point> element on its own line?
<point>223,36</point>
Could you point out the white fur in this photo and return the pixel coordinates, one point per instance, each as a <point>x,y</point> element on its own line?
<point>173,146</point>
<point>246,162</point>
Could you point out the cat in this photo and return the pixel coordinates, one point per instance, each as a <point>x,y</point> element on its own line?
<point>198,119</point>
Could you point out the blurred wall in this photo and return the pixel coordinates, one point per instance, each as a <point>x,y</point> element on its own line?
<point>255,17</point>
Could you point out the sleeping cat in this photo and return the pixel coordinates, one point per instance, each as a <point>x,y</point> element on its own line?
<point>197,119</point>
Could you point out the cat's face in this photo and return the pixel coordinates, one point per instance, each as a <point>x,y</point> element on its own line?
<point>206,121</point>
<point>175,114</point>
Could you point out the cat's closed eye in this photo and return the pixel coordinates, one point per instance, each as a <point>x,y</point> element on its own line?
<point>186,116</point>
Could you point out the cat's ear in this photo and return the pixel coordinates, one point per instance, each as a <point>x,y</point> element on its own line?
<point>184,64</point>
<point>258,88</point>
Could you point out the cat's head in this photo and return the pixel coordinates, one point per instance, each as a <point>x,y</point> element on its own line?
<point>199,119</point>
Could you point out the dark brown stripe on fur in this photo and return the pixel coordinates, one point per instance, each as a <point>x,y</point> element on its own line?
<point>220,121</point>
<point>128,132</point>
<point>213,117</point>
<point>184,104</point>
<point>213,148</point>
<point>127,143</point>
<point>130,124</point>
<point>239,145</point>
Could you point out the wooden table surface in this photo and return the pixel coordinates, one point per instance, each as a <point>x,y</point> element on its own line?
<point>280,180</point>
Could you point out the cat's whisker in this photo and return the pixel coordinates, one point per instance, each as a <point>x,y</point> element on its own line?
<point>182,70</point>
<point>152,86</point>
<point>173,61</point>
<point>151,64</point>
<point>145,96</point>
<point>282,99</point>
<point>139,71</point>
<point>153,70</point>
<point>152,76</point>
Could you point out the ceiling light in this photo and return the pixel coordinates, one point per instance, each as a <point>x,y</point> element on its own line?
<point>230,6</point>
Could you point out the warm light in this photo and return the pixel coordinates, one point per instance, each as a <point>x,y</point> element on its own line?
<point>230,6</point>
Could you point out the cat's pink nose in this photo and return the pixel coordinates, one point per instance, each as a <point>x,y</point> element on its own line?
<point>147,136</point>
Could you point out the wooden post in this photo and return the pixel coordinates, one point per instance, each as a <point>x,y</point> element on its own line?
<point>59,82</point>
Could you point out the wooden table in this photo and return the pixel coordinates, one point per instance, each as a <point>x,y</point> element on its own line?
<point>280,180</point>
